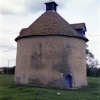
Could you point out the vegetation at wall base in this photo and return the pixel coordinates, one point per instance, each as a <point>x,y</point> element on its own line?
<point>10,91</point>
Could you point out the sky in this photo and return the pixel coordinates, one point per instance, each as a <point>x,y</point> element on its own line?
<point>18,14</point>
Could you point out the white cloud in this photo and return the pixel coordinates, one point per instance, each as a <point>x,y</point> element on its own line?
<point>7,47</point>
<point>84,2</point>
<point>18,14</point>
<point>24,6</point>
<point>7,56</point>
<point>11,7</point>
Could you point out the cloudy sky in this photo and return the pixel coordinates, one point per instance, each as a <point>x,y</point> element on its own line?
<point>18,14</point>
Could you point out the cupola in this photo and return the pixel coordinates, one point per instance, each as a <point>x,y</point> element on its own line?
<point>51,5</point>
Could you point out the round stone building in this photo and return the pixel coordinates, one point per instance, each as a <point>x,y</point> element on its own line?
<point>51,52</point>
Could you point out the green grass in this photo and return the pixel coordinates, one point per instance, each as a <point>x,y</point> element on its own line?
<point>9,91</point>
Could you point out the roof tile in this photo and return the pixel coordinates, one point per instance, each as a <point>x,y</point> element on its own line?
<point>50,23</point>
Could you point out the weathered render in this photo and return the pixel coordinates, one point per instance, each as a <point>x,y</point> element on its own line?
<point>51,53</point>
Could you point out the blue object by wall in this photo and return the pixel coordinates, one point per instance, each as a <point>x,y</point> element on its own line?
<point>68,81</point>
<point>68,46</point>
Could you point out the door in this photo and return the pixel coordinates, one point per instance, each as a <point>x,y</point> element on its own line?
<point>68,81</point>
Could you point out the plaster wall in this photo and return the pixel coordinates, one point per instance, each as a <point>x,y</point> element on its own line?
<point>45,61</point>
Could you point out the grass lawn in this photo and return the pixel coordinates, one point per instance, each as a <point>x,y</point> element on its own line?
<point>9,91</point>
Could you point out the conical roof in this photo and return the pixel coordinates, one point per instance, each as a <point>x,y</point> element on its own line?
<point>50,23</point>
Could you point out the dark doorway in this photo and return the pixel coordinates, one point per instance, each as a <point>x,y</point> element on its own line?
<point>68,81</point>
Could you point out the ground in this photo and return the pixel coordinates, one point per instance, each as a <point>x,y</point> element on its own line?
<point>10,91</point>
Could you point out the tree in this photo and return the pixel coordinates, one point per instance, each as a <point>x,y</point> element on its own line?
<point>90,60</point>
<point>9,70</point>
<point>92,65</point>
